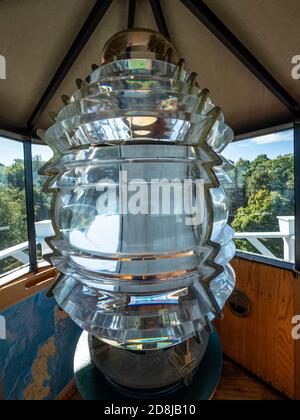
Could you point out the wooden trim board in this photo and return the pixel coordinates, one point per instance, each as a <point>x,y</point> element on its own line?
<point>26,286</point>
<point>67,392</point>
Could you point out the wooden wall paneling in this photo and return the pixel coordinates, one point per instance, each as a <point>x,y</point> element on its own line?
<point>275,344</point>
<point>263,342</point>
<point>297,343</point>
<point>233,341</point>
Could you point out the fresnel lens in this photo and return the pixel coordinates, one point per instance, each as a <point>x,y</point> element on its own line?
<point>140,212</point>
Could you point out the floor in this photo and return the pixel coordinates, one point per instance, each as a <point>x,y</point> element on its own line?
<point>236,384</point>
<point>239,384</point>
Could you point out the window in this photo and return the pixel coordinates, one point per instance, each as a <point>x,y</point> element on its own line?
<point>14,246</point>
<point>262,211</point>
<point>42,201</point>
<point>13,223</point>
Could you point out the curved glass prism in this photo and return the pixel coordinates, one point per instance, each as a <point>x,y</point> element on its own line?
<point>141,206</point>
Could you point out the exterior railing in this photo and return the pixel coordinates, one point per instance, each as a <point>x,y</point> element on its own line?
<point>286,233</point>
<point>43,230</point>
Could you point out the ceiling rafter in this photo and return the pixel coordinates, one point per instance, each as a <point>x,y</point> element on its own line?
<point>203,13</point>
<point>206,16</point>
<point>9,131</point>
<point>131,13</point>
<point>85,33</point>
<point>159,17</point>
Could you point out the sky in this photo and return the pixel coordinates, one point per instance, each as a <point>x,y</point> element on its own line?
<point>11,150</point>
<point>272,145</point>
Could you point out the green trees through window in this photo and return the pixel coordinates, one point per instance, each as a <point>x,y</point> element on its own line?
<point>13,220</point>
<point>264,189</point>
<point>262,199</point>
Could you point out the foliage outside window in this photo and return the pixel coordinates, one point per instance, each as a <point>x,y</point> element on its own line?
<point>14,247</point>
<point>42,201</point>
<point>13,223</point>
<point>262,199</point>
<point>264,194</point>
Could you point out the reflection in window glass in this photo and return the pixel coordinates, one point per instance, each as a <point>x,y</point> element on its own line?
<point>262,212</point>
<point>42,201</point>
<point>13,223</point>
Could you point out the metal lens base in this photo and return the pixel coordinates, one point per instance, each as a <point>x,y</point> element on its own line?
<point>92,384</point>
<point>153,372</point>
<point>145,394</point>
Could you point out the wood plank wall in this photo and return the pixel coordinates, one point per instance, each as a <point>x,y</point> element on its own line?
<point>263,341</point>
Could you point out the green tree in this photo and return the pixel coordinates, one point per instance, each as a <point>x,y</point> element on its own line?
<point>258,176</point>
<point>15,174</point>
<point>42,200</point>
<point>282,179</point>
<point>269,192</point>
<point>3,180</point>
<point>42,204</point>
<point>12,222</point>
<point>271,175</point>
<point>13,209</point>
<point>238,196</point>
<point>261,216</point>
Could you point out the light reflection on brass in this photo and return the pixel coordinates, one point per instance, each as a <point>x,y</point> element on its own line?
<point>143,121</point>
<point>141,41</point>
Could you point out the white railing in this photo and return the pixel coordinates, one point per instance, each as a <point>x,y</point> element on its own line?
<point>43,230</point>
<point>286,233</point>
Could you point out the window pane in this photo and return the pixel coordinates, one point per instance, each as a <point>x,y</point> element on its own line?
<point>42,201</point>
<point>13,223</point>
<point>262,212</point>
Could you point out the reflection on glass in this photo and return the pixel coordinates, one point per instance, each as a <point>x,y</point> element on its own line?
<point>135,272</point>
<point>161,299</point>
<point>42,201</point>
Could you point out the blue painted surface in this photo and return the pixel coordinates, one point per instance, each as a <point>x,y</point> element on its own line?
<point>28,369</point>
